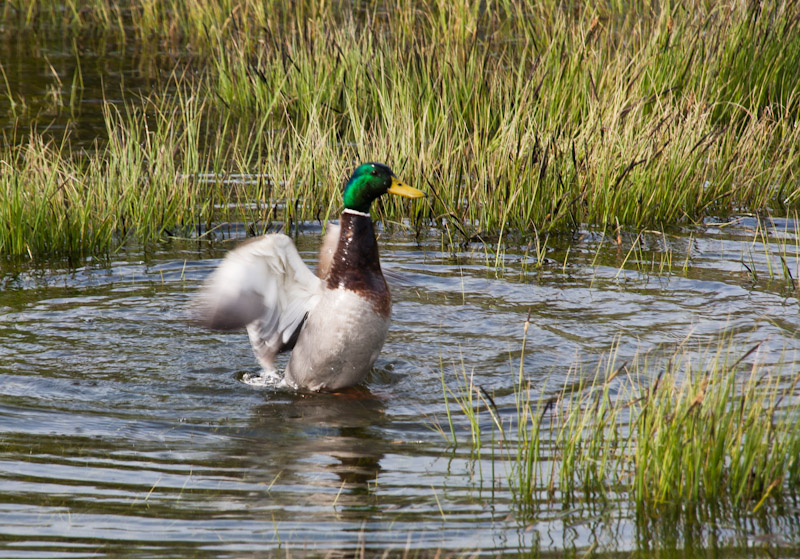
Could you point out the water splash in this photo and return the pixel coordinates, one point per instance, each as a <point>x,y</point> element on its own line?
<point>264,378</point>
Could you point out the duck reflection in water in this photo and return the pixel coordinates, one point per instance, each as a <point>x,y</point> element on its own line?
<point>324,450</point>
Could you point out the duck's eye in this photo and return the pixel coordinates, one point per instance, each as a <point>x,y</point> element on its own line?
<point>374,172</point>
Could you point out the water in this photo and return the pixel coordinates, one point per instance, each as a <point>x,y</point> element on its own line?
<point>58,84</point>
<point>127,431</point>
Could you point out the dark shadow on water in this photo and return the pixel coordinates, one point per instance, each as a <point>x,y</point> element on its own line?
<point>332,442</point>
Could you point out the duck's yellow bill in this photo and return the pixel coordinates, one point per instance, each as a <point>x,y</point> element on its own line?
<point>402,189</point>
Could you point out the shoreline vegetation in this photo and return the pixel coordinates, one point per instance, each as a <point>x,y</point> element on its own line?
<point>685,433</point>
<point>518,119</point>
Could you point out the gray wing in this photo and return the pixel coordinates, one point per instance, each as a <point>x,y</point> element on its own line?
<point>265,286</point>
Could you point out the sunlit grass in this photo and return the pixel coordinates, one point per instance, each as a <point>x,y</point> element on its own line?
<point>684,431</point>
<point>517,118</point>
<point>56,201</point>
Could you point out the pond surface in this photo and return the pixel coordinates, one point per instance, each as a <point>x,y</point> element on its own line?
<point>58,84</point>
<point>128,432</point>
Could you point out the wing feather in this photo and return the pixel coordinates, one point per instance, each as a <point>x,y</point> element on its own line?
<point>263,285</point>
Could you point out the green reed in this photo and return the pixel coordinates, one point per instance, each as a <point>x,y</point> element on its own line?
<point>517,118</point>
<point>57,201</point>
<point>681,432</point>
<point>517,137</point>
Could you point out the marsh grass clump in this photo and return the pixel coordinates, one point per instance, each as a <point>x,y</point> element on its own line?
<point>712,436</point>
<point>57,201</point>
<point>683,433</point>
<point>518,118</point>
<point>527,118</point>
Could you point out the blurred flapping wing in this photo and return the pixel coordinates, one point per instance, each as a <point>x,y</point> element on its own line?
<point>265,286</point>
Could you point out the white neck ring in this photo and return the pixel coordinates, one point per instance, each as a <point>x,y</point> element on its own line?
<point>355,212</point>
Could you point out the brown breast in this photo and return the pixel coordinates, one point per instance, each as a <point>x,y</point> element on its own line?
<point>356,265</point>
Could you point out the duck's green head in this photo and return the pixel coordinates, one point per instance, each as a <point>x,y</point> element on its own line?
<point>370,181</point>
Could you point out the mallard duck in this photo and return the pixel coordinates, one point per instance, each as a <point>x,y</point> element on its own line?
<point>334,322</point>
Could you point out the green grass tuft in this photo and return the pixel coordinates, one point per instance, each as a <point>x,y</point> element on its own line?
<point>518,118</point>
<point>680,434</point>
